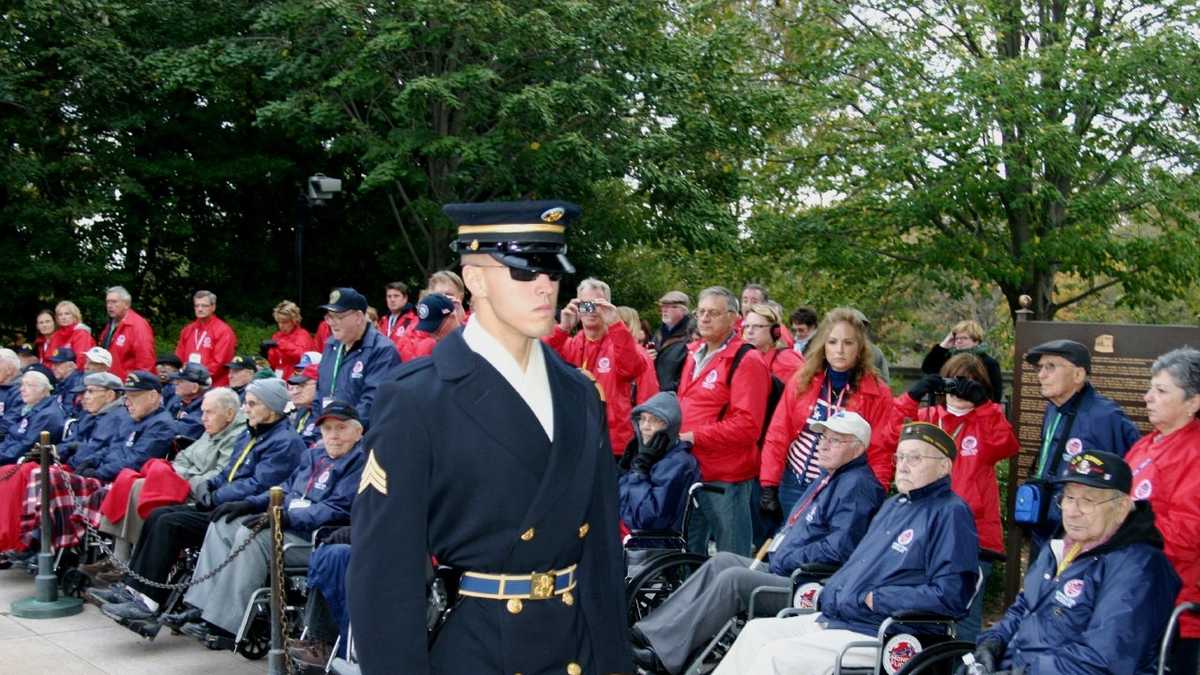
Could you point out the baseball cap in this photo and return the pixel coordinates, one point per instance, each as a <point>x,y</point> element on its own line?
<point>308,374</point>
<point>1097,469</point>
<point>62,355</point>
<point>193,372</point>
<point>432,310</point>
<point>99,355</point>
<point>846,422</point>
<point>931,434</point>
<point>242,362</point>
<point>1070,350</point>
<point>338,410</point>
<point>168,359</point>
<point>345,299</point>
<point>26,350</point>
<point>141,380</point>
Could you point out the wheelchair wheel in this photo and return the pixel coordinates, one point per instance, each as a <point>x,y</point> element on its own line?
<point>939,659</point>
<point>258,637</point>
<point>650,587</point>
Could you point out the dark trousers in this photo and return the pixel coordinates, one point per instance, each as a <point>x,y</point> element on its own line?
<point>165,534</point>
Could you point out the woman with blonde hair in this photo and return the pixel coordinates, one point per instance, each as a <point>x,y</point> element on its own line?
<point>288,345</point>
<point>838,375</point>
<point>966,337</point>
<point>646,384</point>
<point>71,332</point>
<point>762,326</point>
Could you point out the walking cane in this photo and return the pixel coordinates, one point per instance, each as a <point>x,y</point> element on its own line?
<point>45,604</point>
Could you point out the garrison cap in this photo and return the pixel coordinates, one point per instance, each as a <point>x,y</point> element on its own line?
<point>931,434</point>
<point>527,235</point>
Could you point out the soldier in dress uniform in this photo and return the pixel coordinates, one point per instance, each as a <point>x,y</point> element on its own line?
<point>493,457</point>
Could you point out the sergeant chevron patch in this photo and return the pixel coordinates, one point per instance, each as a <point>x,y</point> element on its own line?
<point>373,475</point>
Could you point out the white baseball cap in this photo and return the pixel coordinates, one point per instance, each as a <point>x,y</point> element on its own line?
<point>847,422</point>
<point>99,355</point>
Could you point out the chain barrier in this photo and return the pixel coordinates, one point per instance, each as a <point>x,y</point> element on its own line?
<point>277,555</point>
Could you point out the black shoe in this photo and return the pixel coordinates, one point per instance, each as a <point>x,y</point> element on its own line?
<point>645,658</point>
<point>178,619</point>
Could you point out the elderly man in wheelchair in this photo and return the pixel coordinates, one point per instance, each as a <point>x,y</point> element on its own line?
<point>824,527</point>
<point>1096,600</point>
<point>918,562</point>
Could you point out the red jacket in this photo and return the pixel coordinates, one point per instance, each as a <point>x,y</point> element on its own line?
<point>647,382</point>
<point>413,344</point>
<point>403,324</point>
<point>1164,472</point>
<point>76,336</point>
<point>131,345</point>
<point>289,349</point>
<point>214,341</point>
<point>323,333</point>
<point>613,361</point>
<point>727,448</point>
<point>783,363</point>
<point>872,399</point>
<point>984,438</point>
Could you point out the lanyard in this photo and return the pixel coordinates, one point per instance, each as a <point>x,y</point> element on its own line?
<point>302,419</point>
<point>1047,443</point>
<point>337,363</point>
<point>1068,559</point>
<point>242,458</point>
<point>808,502</point>
<point>198,338</point>
<point>108,334</point>
<point>316,472</point>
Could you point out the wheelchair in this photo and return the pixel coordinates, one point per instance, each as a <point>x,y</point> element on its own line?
<point>657,562</point>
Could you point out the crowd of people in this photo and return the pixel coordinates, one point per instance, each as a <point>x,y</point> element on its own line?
<point>794,421</point>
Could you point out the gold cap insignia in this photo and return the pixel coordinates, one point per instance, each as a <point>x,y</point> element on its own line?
<point>335,296</point>
<point>373,476</point>
<point>474,244</point>
<point>553,215</point>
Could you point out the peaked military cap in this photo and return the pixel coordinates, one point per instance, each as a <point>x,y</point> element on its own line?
<point>528,235</point>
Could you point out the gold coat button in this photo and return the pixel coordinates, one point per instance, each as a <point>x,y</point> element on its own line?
<point>568,599</point>
<point>583,530</point>
<point>515,605</point>
<point>574,669</point>
<point>527,535</point>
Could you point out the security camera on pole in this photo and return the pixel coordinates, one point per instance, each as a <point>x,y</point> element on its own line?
<point>320,190</point>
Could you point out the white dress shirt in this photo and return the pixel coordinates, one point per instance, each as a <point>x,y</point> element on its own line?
<point>533,384</point>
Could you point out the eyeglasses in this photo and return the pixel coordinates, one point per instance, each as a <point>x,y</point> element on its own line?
<point>334,317</point>
<point>913,458</point>
<point>830,440</point>
<point>702,313</point>
<point>521,274</point>
<point>1085,505</point>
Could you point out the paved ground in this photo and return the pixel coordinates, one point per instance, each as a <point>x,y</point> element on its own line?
<point>91,644</point>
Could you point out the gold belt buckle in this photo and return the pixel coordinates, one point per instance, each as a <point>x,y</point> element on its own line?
<point>541,585</point>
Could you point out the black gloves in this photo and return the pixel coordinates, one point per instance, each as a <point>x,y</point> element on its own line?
<point>339,536</point>
<point>229,510</point>
<point>650,453</point>
<point>968,390</point>
<point>988,653</point>
<point>768,501</point>
<point>930,384</point>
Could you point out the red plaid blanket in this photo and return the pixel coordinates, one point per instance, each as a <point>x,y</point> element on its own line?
<point>68,517</point>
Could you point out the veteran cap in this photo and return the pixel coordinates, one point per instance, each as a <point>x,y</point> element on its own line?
<point>142,380</point>
<point>345,299</point>
<point>432,310</point>
<point>527,235</point>
<point>931,434</point>
<point>338,410</point>
<point>1098,469</point>
<point>242,362</point>
<point>193,372</point>
<point>62,355</point>
<point>309,373</point>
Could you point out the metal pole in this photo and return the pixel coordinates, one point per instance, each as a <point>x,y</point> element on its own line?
<point>302,216</point>
<point>46,604</point>
<point>1016,535</point>
<point>275,657</point>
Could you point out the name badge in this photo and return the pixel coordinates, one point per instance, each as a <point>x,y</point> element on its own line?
<point>326,401</point>
<point>299,504</point>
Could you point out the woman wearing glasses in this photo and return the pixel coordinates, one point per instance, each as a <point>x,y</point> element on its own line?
<point>965,338</point>
<point>1164,473</point>
<point>983,437</point>
<point>839,375</point>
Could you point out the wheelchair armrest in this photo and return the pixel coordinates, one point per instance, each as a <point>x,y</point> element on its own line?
<point>653,533</point>
<point>807,572</point>
<point>923,617</point>
<point>793,611</point>
<point>763,591</point>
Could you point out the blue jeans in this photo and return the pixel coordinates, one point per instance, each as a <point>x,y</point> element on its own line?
<point>969,627</point>
<point>790,491</point>
<point>722,517</point>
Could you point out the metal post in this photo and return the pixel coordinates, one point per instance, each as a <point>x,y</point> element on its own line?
<point>302,218</point>
<point>275,657</point>
<point>46,604</point>
<point>1016,536</point>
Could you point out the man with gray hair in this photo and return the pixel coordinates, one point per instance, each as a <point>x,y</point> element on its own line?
<point>604,350</point>
<point>208,340</point>
<point>128,337</point>
<point>102,422</point>
<point>10,391</point>
<point>723,393</point>
<point>39,412</point>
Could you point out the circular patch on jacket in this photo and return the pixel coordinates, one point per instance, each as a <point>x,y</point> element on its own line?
<point>905,538</point>
<point>898,651</point>
<point>23,426</point>
<point>604,365</point>
<point>423,311</point>
<point>1074,446</point>
<point>120,340</point>
<point>806,595</point>
<point>1143,489</point>
<point>970,446</point>
<point>1073,588</point>
<point>358,367</point>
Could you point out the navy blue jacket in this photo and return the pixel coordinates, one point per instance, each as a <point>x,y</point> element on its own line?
<point>187,417</point>
<point>168,396</point>
<point>10,405</point>
<point>92,433</point>
<point>68,399</point>
<point>921,554</point>
<point>329,493</point>
<point>368,363</point>
<point>47,415</point>
<point>263,457</point>
<point>830,528</point>
<point>147,438</point>
<point>1105,614</point>
<point>657,501</point>
<point>304,422</point>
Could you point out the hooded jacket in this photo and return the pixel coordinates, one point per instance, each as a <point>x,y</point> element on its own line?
<point>657,500</point>
<point>320,491</point>
<point>1104,614</point>
<point>920,554</point>
<point>45,415</point>
<point>826,528</point>
<point>263,456</point>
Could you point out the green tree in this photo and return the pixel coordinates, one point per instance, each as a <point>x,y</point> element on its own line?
<point>1003,141</point>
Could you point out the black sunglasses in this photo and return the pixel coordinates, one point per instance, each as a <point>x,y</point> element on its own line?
<point>521,274</point>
